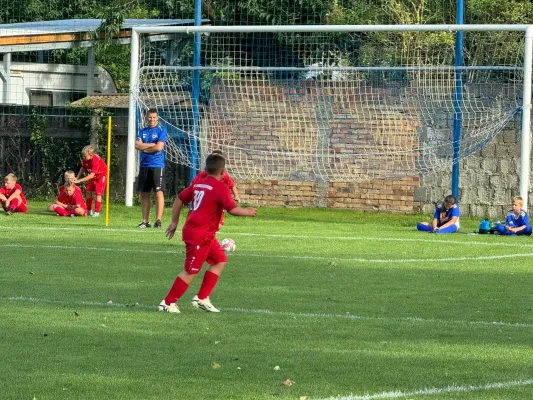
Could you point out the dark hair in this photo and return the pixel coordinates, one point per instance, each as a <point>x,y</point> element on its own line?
<point>151,111</point>
<point>217,152</point>
<point>450,199</point>
<point>214,163</point>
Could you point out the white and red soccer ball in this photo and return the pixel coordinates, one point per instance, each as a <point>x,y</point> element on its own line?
<point>228,245</point>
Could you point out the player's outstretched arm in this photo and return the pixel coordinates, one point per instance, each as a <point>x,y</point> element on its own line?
<point>243,212</point>
<point>176,209</point>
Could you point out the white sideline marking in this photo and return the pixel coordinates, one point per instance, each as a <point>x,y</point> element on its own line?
<point>433,391</point>
<point>360,238</point>
<point>285,314</point>
<point>327,258</point>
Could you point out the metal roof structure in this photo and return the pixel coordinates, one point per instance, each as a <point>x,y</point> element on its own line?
<point>65,34</point>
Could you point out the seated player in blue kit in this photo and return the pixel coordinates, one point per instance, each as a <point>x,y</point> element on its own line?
<point>445,219</point>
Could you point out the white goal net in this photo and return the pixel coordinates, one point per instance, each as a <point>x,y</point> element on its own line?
<point>331,106</point>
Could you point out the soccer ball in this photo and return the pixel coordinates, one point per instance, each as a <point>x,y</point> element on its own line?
<point>228,245</point>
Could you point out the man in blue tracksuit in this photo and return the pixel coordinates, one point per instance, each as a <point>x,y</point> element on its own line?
<point>151,143</point>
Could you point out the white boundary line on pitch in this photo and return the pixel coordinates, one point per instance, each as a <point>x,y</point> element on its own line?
<point>359,238</point>
<point>346,316</point>
<point>398,394</point>
<point>327,258</point>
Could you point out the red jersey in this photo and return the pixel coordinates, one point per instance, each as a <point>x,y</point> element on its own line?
<point>9,192</point>
<point>76,189</point>
<point>209,198</point>
<point>75,199</point>
<point>226,179</point>
<point>95,165</point>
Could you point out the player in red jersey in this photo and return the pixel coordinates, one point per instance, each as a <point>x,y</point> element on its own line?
<point>96,170</point>
<point>12,196</point>
<point>69,202</point>
<point>209,197</point>
<point>69,177</point>
<point>227,180</point>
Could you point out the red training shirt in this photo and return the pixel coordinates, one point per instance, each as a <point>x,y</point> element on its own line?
<point>95,165</point>
<point>76,190</point>
<point>209,198</point>
<point>75,199</point>
<point>9,192</point>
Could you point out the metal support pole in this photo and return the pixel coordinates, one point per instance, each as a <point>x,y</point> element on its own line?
<point>525,145</point>
<point>196,90</point>
<point>91,61</point>
<point>457,101</point>
<point>132,120</point>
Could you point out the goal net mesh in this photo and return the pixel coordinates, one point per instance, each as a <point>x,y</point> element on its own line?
<point>330,106</point>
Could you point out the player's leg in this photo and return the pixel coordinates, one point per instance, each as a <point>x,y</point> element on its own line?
<point>217,261</point>
<point>60,211</point>
<point>424,227</point>
<point>22,208</point>
<point>145,210</point>
<point>500,228</point>
<point>80,212</point>
<point>99,189</point>
<point>89,189</point>
<point>159,195</point>
<point>195,257</point>
<point>144,187</point>
<point>448,229</point>
<point>13,205</point>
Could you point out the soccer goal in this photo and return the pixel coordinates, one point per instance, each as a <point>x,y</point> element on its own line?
<point>331,103</point>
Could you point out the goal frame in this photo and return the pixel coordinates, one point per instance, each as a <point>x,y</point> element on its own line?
<point>525,145</point>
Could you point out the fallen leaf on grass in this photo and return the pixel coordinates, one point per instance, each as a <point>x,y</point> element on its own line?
<point>304,398</point>
<point>288,382</point>
<point>277,368</point>
<point>76,314</point>
<point>215,365</point>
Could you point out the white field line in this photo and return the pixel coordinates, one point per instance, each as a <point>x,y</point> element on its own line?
<point>437,391</point>
<point>307,237</point>
<point>327,258</point>
<point>347,316</point>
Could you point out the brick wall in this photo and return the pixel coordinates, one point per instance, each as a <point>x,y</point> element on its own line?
<point>267,117</point>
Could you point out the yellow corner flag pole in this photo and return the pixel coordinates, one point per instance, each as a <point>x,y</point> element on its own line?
<point>108,170</point>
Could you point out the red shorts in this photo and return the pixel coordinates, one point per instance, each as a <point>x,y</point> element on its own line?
<point>196,255</point>
<point>96,185</point>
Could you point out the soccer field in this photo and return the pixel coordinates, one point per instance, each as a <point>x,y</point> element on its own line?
<point>343,305</point>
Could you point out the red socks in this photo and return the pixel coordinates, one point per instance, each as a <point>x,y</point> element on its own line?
<point>89,202</point>
<point>97,206</point>
<point>177,290</point>
<point>208,284</point>
<point>61,211</point>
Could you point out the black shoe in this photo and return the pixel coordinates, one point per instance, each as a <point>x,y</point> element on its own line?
<point>9,212</point>
<point>157,224</point>
<point>143,225</point>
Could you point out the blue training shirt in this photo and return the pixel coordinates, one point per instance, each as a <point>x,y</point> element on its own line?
<point>451,212</point>
<point>514,221</point>
<point>153,135</point>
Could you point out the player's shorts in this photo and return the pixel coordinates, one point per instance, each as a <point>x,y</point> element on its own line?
<point>150,179</point>
<point>196,255</point>
<point>96,185</point>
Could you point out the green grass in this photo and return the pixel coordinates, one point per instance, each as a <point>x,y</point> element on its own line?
<point>345,303</point>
